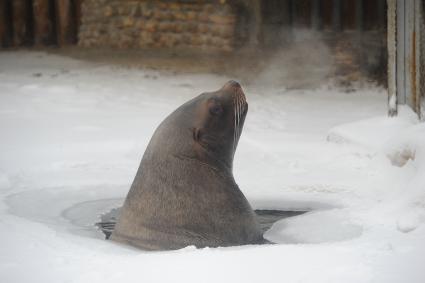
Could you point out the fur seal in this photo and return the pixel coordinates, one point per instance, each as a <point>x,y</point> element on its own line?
<point>184,192</point>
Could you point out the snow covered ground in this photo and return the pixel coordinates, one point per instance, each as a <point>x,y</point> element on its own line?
<point>73,133</point>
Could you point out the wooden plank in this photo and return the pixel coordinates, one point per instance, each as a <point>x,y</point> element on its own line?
<point>65,22</point>
<point>347,15</point>
<point>316,16</point>
<point>301,13</point>
<point>381,14</point>
<point>254,25</point>
<point>79,3</point>
<point>8,17</point>
<point>3,28</point>
<point>20,31</point>
<point>370,15</point>
<point>327,13</point>
<point>293,13</point>
<point>276,22</point>
<point>336,15</point>
<point>359,15</point>
<point>43,25</point>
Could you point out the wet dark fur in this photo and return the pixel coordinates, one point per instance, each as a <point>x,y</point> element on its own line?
<point>184,192</point>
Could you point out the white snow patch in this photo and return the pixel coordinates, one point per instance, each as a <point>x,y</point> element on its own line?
<point>315,227</point>
<point>374,132</point>
<point>73,135</point>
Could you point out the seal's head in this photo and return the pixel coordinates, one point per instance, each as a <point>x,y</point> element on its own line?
<point>218,124</point>
<point>206,128</point>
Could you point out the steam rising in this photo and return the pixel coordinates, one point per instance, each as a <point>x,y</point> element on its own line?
<point>306,62</point>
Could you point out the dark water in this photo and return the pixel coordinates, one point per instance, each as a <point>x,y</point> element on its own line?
<point>265,217</point>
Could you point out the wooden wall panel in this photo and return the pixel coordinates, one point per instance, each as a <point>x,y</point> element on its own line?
<point>302,13</point>
<point>327,12</point>
<point>65,22</point>
<point>348,16</point>
<point>43,24</point>
<point>20,31</point>
<point>371,15</point>
<point>3,27</point>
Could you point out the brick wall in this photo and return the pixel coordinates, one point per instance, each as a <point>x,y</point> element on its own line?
<point>204,25</point>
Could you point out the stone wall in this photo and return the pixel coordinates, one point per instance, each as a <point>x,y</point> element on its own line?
<point>204,25</point>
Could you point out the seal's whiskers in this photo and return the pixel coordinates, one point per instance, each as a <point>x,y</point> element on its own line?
<point>234,119</point>
<point>238,110</point>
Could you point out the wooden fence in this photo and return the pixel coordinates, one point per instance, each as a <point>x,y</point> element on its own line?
<point>39,22</point>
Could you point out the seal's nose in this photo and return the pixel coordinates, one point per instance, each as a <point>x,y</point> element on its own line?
<point>233,90</point>
<point>232,84</point>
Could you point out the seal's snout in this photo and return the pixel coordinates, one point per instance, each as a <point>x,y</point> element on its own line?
<point>235,89</point>
<point>233,84</point>
<point>232,87</point>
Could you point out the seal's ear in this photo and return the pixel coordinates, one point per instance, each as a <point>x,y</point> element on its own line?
<point>196,134</point>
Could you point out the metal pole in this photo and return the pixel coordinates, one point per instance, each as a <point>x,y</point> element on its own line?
<point>409,53</point>
<point>400,40</point>
<point>419,59</point>
<point>392,57</point>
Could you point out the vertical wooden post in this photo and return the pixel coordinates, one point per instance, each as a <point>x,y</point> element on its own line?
<point>43,26</point>
<point>7,40</point>
<point>316,17</point>
<point>19,8</point>
<point>287,11</point>
<point>381,14</point>
<point>256,22</point>
<point>336,15</point>
<point>3,29</point>
<point>287,14</point>
<point>79,3</point>
<point>294,14</point>
<point>359,15</point>
<point>66,32</point>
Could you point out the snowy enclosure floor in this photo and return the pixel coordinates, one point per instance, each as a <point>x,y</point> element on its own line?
<point>73,134</point>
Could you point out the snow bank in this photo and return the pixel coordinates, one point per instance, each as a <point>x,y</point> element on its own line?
<point>402,140</point>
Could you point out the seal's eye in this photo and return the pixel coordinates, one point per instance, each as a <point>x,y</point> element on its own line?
<point>216,109</point>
